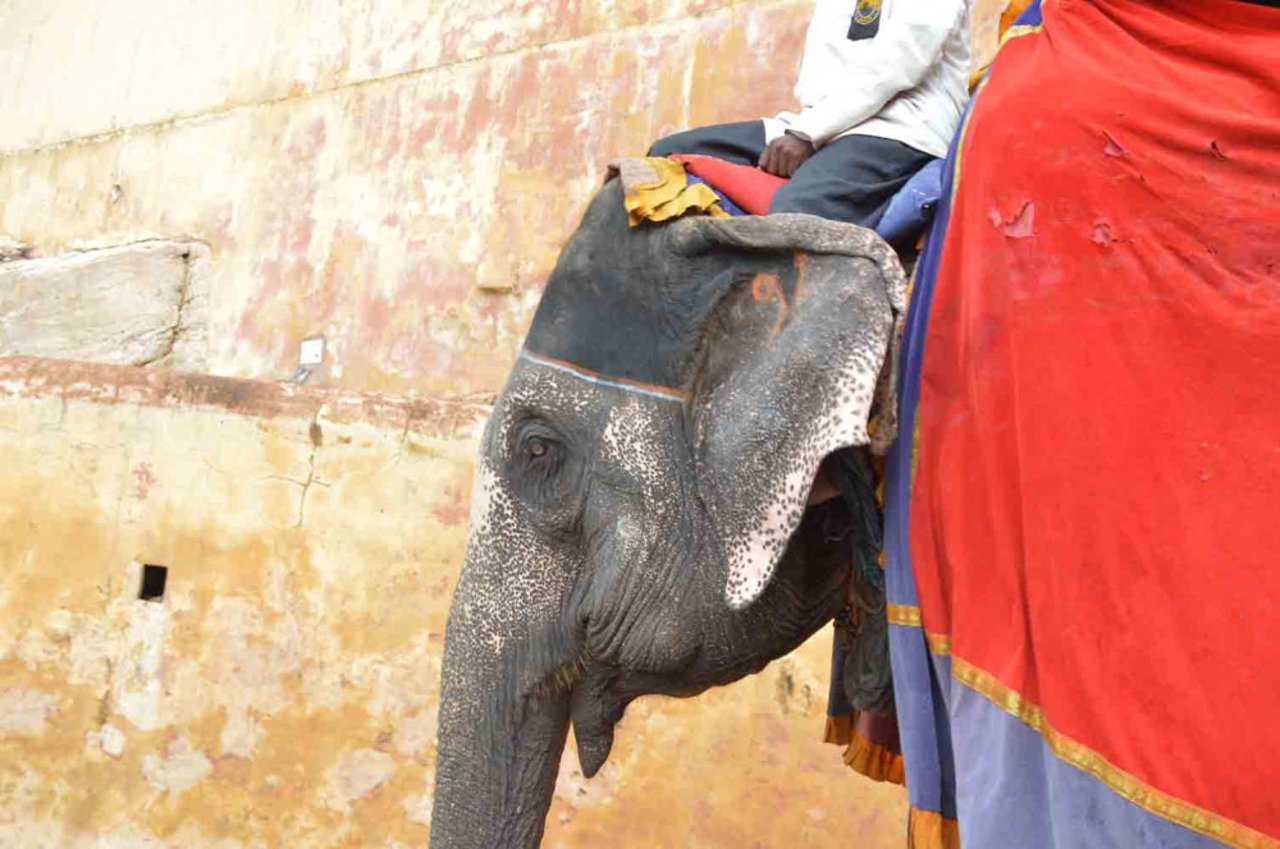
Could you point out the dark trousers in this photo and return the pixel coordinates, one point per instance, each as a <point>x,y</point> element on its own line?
<point>849,179</point>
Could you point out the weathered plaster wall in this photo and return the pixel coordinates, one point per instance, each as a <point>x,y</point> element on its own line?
<point>408,214</point>
<point>396,175</point>
<point>284,692</point>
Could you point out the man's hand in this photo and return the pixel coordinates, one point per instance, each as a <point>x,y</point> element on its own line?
<point>784,155</point>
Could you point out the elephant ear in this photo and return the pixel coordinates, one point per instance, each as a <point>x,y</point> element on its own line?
<point>789,370</point>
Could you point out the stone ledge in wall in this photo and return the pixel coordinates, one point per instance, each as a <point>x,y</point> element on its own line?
<point>95,383</point>
<point>142,304</point>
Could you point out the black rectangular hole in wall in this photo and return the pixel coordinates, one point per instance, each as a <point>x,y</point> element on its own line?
<point>153,581</point>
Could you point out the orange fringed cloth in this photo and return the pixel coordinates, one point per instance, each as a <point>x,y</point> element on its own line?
<point>871,744</point>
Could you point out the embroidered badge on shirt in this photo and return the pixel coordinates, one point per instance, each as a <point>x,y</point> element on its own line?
<point>866,20</point>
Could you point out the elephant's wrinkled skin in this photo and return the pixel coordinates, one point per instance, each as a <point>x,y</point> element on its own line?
<point>651,455</point>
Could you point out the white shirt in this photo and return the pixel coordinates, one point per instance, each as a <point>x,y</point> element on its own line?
<point>909,82</point>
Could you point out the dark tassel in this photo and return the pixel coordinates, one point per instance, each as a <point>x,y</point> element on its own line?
<point>866,674</point>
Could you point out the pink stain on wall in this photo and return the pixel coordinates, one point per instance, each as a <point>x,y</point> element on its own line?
<point>144,479</point>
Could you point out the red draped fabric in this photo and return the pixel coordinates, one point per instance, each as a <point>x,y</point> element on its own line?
<point>1095,517</point>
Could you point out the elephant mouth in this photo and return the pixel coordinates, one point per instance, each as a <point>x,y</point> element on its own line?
<point>594,710</point>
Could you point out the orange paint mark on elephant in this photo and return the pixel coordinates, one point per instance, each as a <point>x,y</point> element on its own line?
<point>801,262</point>
<point>765,288</point>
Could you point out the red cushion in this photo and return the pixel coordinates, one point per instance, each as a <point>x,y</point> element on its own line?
<point>745,185</point>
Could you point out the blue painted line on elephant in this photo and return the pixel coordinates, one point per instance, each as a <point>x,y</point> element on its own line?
<point>666,395</point>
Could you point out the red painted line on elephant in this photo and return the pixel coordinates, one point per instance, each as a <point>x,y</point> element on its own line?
<point>620,382</point>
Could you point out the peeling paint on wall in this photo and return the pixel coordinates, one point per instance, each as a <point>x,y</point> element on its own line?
<point>386,215</point>
<point>408,210</point>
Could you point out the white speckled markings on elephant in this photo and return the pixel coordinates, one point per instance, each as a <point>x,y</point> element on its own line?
<point>826,401</point>
<point>504,601</point>
<point>630,437</point>
<point>532,572</point>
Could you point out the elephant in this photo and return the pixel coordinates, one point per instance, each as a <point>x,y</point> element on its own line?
<point>641,519</point>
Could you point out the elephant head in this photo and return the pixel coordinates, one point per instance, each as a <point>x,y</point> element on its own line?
<point>638,520</point>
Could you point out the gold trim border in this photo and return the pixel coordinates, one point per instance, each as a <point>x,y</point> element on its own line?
<point>908,616</point>
<point>1077,754</point>
<point>1123,783</point>
<point>903,614</point>
<point>1019,31</point>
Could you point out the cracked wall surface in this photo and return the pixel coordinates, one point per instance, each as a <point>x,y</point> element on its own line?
<point>284,691</point>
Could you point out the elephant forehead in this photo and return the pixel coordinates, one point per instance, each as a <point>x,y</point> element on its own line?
<point>558,390</point>
<point>534,386</point>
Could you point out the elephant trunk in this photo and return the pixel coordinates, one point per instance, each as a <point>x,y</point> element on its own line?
<point>498,753</point>
<point>509,667</point>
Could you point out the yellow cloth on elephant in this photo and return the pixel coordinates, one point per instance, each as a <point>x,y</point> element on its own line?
<point>657,189</point>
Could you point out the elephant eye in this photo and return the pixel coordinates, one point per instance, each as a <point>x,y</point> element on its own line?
<point>539,467</point>
<point>540,454</point>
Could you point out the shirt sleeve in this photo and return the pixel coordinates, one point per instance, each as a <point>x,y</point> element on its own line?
<point>897,59</point>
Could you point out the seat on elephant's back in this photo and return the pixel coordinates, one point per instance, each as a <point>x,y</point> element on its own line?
<point>745,190</point>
